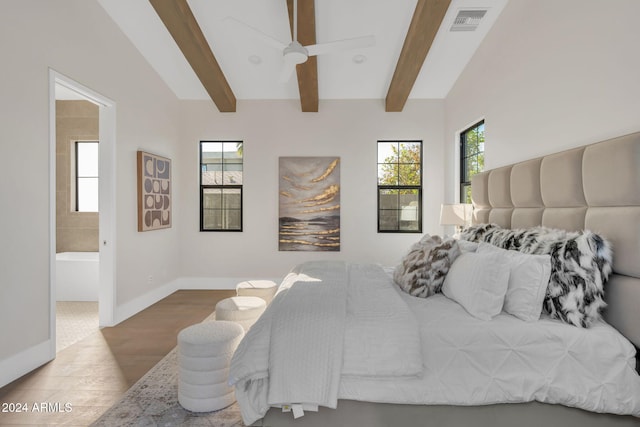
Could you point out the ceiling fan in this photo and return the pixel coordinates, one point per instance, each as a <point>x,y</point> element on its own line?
<point>294,53</point>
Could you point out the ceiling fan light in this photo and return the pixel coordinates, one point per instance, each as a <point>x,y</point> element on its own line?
<point>295,53</point>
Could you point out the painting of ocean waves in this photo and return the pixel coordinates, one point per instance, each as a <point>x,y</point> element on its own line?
<point>317,234</point>
<point>309,204</point>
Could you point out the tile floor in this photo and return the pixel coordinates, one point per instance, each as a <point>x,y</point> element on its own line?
<point>75,320</point>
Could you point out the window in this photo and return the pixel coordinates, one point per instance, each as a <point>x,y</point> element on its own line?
<point>471,158</point>
<point>221,185</point>
<point>86,183</point>
<point>400,186</point>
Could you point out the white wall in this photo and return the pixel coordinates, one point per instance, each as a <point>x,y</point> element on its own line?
<point>549,76</point>
<point>78,39</point>
<point>271,129</point>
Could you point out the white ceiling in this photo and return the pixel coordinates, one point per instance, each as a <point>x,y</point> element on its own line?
<point>339,77</point>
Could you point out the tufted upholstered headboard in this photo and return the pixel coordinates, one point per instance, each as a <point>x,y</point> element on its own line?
<point>595,187</point>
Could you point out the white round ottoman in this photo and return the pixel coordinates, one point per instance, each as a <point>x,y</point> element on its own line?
<point>265,289</point>
<point>204,353</point>
<point>242,310</point>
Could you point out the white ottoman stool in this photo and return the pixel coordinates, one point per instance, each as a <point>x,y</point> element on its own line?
<point>204,353</point>
<point>265,289</point>
<point>242,310</point>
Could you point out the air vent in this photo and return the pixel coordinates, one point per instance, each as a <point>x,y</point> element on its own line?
<point>468,20</point>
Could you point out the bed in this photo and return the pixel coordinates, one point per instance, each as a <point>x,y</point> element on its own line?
<point>597,188</point>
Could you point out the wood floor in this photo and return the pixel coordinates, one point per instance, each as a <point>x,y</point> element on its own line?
<point>87,378</point>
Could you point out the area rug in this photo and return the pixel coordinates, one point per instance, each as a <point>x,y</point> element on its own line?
<point>153,401</point>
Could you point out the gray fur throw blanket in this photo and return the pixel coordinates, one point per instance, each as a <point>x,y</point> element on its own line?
<point>580,266</point>
<point>424,268</point>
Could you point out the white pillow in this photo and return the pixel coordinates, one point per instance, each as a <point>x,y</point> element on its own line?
<point>478,282</point>
<point>528,281</point>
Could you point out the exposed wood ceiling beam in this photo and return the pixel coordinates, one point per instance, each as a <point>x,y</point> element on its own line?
<point>183,27</point>
<point>306,72</point>
<point>424,25</point>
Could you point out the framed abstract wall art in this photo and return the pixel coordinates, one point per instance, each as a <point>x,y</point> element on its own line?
<point>309,202</point>
<point>154,192</point>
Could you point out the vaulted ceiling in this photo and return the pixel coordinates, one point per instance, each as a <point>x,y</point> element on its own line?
<point>194,47</point>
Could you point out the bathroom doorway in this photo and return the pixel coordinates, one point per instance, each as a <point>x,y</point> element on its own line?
<point>82,128</point>
<point>77,217</point>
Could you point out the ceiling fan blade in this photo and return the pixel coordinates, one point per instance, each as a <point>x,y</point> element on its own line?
<point>267,39</point>
<point>347,44</point>
<point>286,72</point>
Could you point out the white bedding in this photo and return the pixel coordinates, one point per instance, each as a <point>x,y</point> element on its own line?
<point>329,320</point>
<point>474,362</point>
<point>466,361</point>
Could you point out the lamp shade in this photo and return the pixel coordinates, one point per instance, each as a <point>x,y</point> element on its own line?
<point>456,214</point>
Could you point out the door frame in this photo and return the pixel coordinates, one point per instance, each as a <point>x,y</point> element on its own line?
<point>107,200</point>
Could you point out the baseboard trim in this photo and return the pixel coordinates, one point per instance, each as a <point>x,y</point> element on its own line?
<point>215,283</point>
<point>24,362</point>
<point>136,305</point>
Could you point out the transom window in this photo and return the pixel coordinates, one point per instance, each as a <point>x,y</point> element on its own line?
<point>221,167</point>
<point>400,186</point>
<point>86,182</point>
<point>471,158</point>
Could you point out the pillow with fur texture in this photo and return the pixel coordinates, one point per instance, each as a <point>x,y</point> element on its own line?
<point>467,246</point>
<point>581,262</point>
<point>424,268</point>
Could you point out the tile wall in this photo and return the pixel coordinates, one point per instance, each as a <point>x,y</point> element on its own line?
<point>76,231</point>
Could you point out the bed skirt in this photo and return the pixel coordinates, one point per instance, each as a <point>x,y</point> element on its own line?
<point>532,414</point>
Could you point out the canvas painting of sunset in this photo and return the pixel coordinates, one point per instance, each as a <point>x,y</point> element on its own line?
<point>309,204</point>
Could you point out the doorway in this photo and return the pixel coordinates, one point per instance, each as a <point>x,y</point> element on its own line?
<point>104,246</point>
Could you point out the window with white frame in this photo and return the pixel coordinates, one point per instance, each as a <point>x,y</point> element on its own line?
<point>86,176</point>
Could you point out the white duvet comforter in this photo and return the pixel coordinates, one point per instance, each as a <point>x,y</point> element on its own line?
<point>329,320</point>
<point>466,361</point>
<point>505,360</point>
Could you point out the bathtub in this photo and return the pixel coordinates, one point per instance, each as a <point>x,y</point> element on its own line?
<point>77,276</point>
